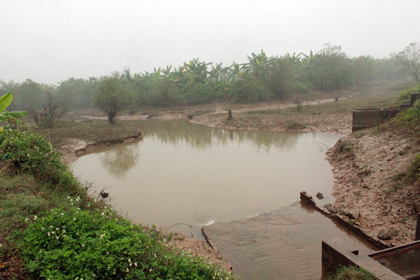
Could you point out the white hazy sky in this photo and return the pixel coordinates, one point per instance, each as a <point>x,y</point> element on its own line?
<point>51,41</point>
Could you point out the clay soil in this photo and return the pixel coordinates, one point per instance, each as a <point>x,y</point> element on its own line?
<point>367,168</point>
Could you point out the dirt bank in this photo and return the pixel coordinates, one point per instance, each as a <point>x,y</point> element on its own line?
<point>333,123</point>
<point>366,165</point>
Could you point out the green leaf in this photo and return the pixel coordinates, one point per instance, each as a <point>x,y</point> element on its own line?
<point>4,116</point>
<point>5,101</point>
<point>17,114</point>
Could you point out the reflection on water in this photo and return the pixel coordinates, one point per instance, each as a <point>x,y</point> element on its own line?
<point>202,137</point>
<point>280,244</point>
<point>191,174</point>
<point>118,160</point>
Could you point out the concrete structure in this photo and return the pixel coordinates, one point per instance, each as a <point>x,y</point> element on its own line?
<point>366,118</point>
<point>414,97</point>
<point>370,117</point>
<point>335,255</point>
<point>401,262</point>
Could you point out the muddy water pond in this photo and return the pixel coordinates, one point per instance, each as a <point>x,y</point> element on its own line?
<point>182,176</point>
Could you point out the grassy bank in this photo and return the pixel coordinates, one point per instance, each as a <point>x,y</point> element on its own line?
<point>51,228</point>
<point>383,96</point>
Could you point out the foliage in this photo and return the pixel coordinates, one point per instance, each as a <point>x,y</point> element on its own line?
<point>5,101</point>
<point>76,244</point>
<point>77,92</point>
<point>32,153</point>
<point>387,69</point>
<point>409,59</point>
<point>331,69</point>
<point>407,122</point>
<point>111,97</point>
<point>264,78</point>
<point>406,94</point>
<point>352,273</point>
<point>27,96</point>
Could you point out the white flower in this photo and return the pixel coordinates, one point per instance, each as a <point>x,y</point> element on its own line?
<point>127,270</point>
<point>35,217</point>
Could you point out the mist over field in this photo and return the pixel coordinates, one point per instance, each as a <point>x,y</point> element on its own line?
<point>51,41</point>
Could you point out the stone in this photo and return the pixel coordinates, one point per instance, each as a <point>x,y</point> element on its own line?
<point>330,208</point>
<point>387,234</point>
<point>346,214</point>
<point>320,195</point>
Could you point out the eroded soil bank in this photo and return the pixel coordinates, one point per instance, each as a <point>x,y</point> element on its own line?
<point>366,167</point>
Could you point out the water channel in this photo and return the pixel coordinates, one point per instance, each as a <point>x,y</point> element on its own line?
<point>182,176</point>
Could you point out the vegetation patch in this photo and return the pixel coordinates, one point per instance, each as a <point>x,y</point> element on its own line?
<point>77,244</point>
<point>410,175</point>
<point>352,273</point>
<point>32,153</point>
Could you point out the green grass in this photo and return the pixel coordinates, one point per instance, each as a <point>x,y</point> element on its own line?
<point>352,273</point>
<point>383,97</point>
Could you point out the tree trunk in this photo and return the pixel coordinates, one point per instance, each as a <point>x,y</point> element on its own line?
<point>111,118</point>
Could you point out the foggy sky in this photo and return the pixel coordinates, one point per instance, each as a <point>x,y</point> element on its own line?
<point>51,41</point>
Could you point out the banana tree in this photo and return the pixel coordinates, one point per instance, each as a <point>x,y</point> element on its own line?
<point>5,101</point>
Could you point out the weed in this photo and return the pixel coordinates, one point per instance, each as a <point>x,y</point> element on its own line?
<point>344,147</point>
<point>353,273</point>
<point>410,175</point>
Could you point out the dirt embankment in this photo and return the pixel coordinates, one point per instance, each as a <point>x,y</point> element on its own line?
<point>367,189</point>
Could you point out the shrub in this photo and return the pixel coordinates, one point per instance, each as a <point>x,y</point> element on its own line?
<point>31,152</point>
<point>77,244</point>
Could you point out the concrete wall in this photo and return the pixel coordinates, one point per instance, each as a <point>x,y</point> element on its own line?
<point>339,254</point>
<point>366,118</point>
<point>414,97</point>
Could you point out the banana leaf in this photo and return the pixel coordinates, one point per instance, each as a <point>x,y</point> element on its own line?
<point>5,101</point>
<point>5,116</point>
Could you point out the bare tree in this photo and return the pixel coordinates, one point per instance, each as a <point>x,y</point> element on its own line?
<point>409,59</point>
<point>54,107</point>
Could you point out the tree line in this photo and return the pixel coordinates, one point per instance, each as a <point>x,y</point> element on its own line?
<point>260,79</point>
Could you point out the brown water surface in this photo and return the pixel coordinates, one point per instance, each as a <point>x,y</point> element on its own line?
<point>280,244</point>
<point>183,174</point>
